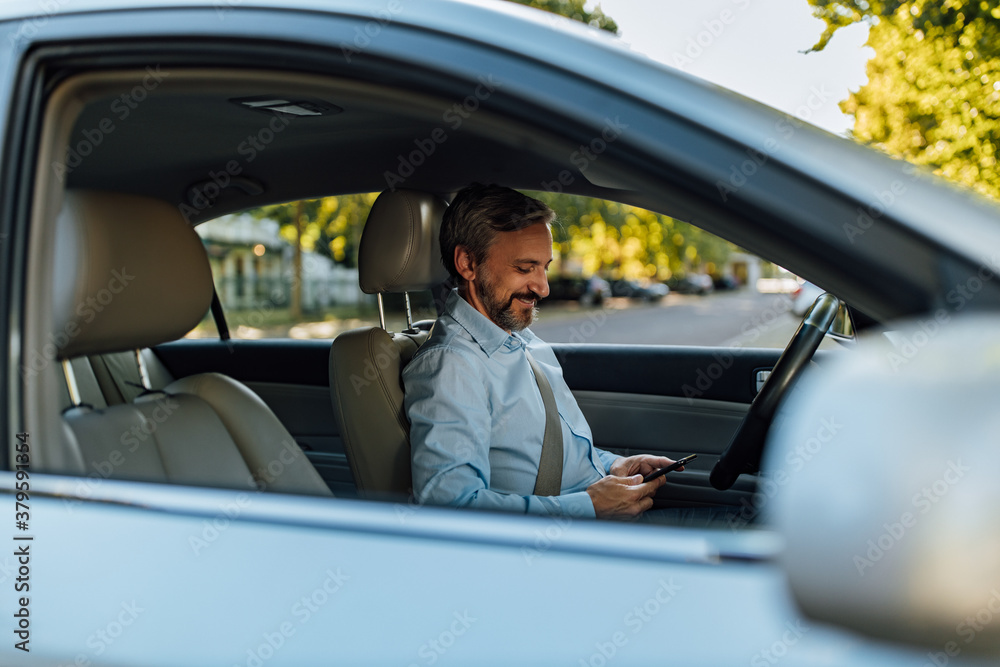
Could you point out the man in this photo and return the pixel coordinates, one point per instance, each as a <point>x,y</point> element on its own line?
<point>477,413</point>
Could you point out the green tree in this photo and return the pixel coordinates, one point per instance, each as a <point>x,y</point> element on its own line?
<point>330,226</point>
<point>933,91</point>
<point>575,10</point>
<point>622,241</point>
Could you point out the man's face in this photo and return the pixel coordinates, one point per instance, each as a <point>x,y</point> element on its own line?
<point>511,280</point>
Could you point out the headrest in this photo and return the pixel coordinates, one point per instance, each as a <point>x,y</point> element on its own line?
<point>130,273</point>
<point>400,250</point>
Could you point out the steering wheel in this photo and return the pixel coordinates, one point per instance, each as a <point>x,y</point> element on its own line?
<point>745,449</point>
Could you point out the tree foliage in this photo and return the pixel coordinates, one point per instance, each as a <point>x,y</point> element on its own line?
<point>622,241</point>
<point>591,236</point>
<point>933,95</point>
<point>575,10</point>
<point>331,225</point>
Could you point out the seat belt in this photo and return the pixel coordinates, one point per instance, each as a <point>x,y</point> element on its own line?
<point>219,316</point>
<point>550,466</point>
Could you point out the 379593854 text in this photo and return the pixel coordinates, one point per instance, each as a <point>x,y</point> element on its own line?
<point>22,543</point>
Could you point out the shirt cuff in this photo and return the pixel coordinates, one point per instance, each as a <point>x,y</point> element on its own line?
<point>607,458</point>
<point>578,504</point>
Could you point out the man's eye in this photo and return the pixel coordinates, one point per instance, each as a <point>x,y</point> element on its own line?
<point>521,270</point>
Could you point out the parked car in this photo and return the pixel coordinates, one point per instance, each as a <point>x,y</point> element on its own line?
<point>725,282</point>
<point>563,288</point>
<point>143,532</point>
<point>804,296</point>
<point>692,283</point>
<point>596,292</point>
<point>588,291</point>
<point>633,289</point>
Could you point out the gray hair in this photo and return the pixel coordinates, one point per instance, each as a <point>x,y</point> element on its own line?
<point>478,212</point>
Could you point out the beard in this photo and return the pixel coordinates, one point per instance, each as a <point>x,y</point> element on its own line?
<point>502,311</point>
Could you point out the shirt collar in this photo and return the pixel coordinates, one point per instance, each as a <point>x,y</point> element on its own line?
<point>487,335</point>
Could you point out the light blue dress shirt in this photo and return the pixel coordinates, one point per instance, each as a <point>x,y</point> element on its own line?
<point>477,420</point>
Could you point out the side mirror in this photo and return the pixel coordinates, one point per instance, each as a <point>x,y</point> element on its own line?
<point>843,326</point>
<point>890,505</point>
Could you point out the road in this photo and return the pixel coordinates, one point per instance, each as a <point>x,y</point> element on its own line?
<point>741,317</point>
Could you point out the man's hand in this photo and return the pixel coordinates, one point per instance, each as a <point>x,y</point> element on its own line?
<point>616,496</point>
<point>641,464</point>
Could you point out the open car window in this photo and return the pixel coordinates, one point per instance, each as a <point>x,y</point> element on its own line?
<point>621,274</point>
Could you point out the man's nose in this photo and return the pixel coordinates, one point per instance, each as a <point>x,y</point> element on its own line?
<point>541,286</point>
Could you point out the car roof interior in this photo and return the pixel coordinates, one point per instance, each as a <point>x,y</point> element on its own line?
<point>195,123</point>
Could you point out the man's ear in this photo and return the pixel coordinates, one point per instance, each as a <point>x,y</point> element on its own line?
<point>465,264</point>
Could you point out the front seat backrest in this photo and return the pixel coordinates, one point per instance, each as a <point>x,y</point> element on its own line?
<point>399,252</point>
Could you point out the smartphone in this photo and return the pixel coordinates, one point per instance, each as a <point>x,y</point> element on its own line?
<point>673,466</point>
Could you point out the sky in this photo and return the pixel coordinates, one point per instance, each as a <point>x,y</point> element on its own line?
<point>753,47</point>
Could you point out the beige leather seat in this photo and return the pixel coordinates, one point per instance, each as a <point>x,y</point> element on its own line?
<point>399,252</point>
<point>113,378</point>
<point>132,274</point>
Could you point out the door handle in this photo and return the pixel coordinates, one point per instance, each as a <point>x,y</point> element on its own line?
<point>762,378</point>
